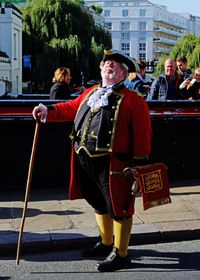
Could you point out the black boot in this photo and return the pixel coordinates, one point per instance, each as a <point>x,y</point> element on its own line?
<point>99,249</point>
<point>114,262</point>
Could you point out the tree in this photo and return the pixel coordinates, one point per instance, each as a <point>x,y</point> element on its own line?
<point>186,46</point>
<point>189,46</point>
<point>96,9</point>
<point>160,66</point>
<point>70,32</point>
<point>195,57</point>
<point>73,45</point>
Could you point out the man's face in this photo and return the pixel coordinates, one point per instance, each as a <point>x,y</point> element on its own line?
<point>181,66</point>
<point>112,71</point>
<point>170,67</point>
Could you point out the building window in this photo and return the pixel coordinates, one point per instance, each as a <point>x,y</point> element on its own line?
<point>106,13</point>
<point>3,11</point>
<point>125,35</point>
<point>142,56</point>
<point>142,13</point>
<point>108,25</point>
<point>15,46</point>
<point>125,46</point>
<point>124,13</point>
<point>16,36</point>
<point>142,36</point>
<point>142,25</point>
<point>142,46</point>
<point>125,25</point>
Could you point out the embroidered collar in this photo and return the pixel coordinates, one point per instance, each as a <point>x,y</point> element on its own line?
<point>99,98</point>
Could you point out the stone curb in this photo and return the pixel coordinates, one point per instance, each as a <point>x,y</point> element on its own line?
<point>72,239</point>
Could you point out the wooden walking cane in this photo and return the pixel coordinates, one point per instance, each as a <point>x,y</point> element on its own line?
<point>28,184</point>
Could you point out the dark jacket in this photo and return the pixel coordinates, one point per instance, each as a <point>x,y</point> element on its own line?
<point>136,84</point>
<point>192,91</point>
<point>187,74</point>
<point>161,86</point>
<point>60,91</point>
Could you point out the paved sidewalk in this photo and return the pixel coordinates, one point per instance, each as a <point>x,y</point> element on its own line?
<point>53,222</point>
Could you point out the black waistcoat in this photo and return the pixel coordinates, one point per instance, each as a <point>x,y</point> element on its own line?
<point>94,130</point>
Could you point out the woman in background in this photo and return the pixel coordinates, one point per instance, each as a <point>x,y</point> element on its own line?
<point>190,88</point>
<point>135,80</point>
<point>61,80</point>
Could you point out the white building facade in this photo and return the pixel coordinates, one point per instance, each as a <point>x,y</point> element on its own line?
<point>11,46</point>
<point>142,29</point>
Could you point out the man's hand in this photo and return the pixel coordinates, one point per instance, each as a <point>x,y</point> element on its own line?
<point>130,172</point>
<point>40,112</point>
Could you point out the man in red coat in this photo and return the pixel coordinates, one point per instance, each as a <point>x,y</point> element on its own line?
<point>112,131</point>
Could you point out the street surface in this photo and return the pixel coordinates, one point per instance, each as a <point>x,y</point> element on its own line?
<point>173,261</point>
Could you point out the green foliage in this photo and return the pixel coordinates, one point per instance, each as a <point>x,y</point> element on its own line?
<point>195,57</point>
<point>96,9</point>
<point>160,66</point>
<point>47,19</point>
<point>69,31</point>
<point>73,45</point>
<point>189,46</point>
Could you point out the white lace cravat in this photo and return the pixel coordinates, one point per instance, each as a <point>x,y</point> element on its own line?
<point>99,98</point>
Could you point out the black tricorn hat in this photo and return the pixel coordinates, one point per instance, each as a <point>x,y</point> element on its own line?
<point>111,54</point>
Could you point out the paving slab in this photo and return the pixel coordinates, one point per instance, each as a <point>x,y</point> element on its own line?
<point>52,221</point>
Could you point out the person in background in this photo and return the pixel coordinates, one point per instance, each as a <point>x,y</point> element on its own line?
<point>61,80</point>
<point>181,63</point>
<point>135,80</point>
<point>190,88</point>
<point>166,87</point>
<point>111,133</point>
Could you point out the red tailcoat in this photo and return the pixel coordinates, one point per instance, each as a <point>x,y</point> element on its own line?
<point>131,136</point>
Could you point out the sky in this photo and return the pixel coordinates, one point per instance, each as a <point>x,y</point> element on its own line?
<point>181,6</point>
